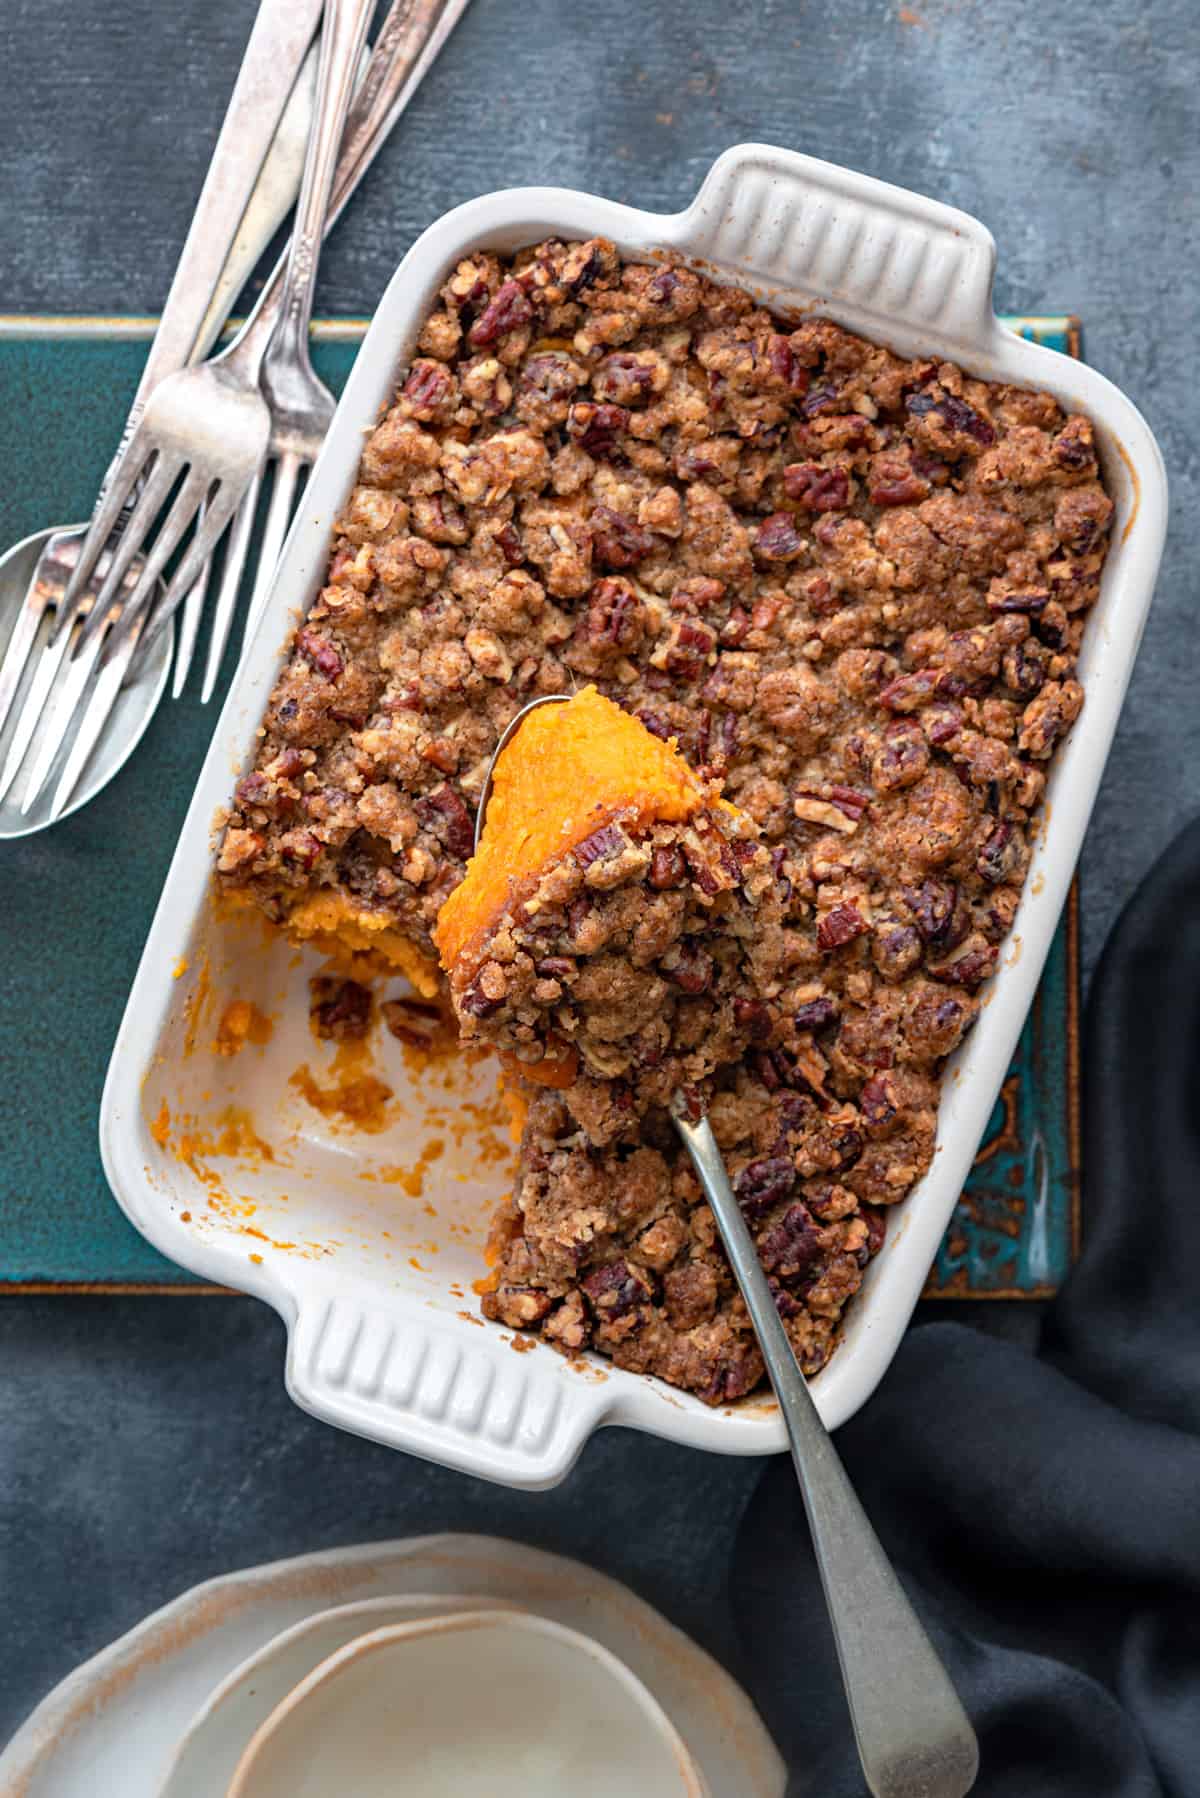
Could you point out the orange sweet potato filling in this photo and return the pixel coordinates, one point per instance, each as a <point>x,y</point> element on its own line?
<point>568,771</point>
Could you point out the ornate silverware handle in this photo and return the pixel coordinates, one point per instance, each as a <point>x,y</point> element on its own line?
<point>914,1738</point>
<point>412,35</point>
<point>283,30</point>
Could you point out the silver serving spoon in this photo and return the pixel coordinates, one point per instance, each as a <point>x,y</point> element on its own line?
<point>914,1737</point>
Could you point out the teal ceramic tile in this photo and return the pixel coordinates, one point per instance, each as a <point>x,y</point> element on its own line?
<point>77,902</point>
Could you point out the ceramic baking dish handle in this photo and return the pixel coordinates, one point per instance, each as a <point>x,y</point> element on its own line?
<point>429,1388</point>
<point>876,254</point>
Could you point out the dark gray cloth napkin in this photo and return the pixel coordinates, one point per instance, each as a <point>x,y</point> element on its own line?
<point>1043,1510</point>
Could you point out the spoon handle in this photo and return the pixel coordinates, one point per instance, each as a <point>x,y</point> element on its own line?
<point>913,1736</point>
<point>343,34</point>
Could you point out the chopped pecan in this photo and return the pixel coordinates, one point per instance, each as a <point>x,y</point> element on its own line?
<point>340,1008</point>
<point>791,1248</point>
<point>816,488</point>
<point>596,429</point>
<point>689,968</point>
<point>815,1014</point>
<point>1000,856</point>
<point>602,845</point>
<point>691,643</point>
<point>319,652</point>
<point>764,1183</point>
<point>444,813</point>
<point>615,1289</point>
<point>617,541</point>
<point>840,926</point>
<point>507,311</point>
<point>416,1022</point>
<point>909,691</point>
<point>668,869</point>
<point>777,539</point>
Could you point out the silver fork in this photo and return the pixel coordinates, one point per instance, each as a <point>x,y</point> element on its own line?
<point>204,432</point>
<point>274,197</point>
<point>278,42</point>
<point>409,40</point>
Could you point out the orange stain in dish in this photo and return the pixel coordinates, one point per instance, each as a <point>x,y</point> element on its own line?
<point>241,1023</point>
<point>160,1129</point>
<point>356,1097</point>
<point>180,968</point>
<point>196,1002</point>
<point>412,1179</point>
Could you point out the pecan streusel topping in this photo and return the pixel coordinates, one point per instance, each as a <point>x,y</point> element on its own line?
<point>853,586</point>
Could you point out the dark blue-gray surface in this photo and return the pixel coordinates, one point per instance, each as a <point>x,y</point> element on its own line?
<point>144,1444</point>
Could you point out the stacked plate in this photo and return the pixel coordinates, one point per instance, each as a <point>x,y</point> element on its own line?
<point>439,1665</point>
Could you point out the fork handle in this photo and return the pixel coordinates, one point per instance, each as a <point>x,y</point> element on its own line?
<point>342,38</point>
<point>283,30</point>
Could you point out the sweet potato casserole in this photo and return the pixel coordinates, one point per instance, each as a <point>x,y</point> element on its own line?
<point>850,586</point>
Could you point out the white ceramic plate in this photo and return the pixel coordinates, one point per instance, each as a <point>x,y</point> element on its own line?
<point>382,1333</point>
<point>114,1726</point>
<point>489,1701</point>
<point>212,1745</point>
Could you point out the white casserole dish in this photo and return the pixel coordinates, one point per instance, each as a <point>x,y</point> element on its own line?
<point>375,1293</point>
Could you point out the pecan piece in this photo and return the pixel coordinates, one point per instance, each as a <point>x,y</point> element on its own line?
<point>909,691</point>
<point>616,1289</point>
<point>777,539</point>
<point>1000,856</point>
<point>617,541</point>
<point>791,1248</point>
<point>753,1019</point>
<point>427,389</point>
<point>815,1014</point>
<point>319,653</point>
<point>877,1102</point>
<point>689,968</point>
<point>840,926</point>
<point>691,643</point>
<point>668,869</point>
<point>764,1183</point>
<point>604,845</point>
<point>816,488</point>
<point>614,615</point>
<point>970,966</point>
<point>340,1008</point>
<point>416,1022</point>
<point>901,758</point>
<point>597,428</point>
<point>507,311</point>
<point>443,813</point>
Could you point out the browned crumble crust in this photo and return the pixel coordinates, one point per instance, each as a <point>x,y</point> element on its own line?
<point>643,961</point>
<point>613,1249</point>
<point>853,586</point>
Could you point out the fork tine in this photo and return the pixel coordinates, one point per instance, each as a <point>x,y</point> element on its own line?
<point>100,703</point>
<point>279,517</point>
<point>189,628</point>
<point>59,715</point>
<point>16,655</point>
<point>143,607</point>
<point>100,628</point>
<point>109,507</point>
<point>236,552</point>
<point>185,510</point>
<point>44,674</point>
<point>132,539</point>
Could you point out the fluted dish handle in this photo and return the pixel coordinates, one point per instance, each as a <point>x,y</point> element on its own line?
<point>890,262</point>
<point>428,1387</point>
